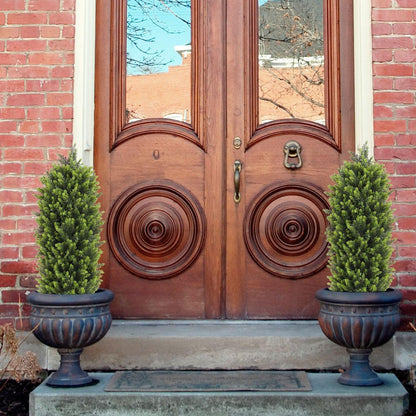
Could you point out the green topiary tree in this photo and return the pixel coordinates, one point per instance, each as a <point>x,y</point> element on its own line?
<point>360,227</point>
<point>69,226</point>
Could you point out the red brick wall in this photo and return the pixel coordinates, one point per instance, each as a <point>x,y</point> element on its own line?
<point>36,83</point>
<point>394,56</point>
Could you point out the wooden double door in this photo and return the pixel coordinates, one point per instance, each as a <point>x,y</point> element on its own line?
<point>221,216</point>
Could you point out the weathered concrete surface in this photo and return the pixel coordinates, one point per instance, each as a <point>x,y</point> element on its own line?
<point>327,398</point>
<point>224,345</point>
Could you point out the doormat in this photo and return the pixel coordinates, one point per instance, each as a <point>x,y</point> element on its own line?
<point>211,381</point>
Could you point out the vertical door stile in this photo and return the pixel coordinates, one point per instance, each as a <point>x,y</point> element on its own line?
<point>213,117</point>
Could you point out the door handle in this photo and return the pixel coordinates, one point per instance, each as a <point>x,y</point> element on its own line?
<point>237,170</point>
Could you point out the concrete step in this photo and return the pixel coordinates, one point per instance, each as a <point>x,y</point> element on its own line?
<point>284,345</point>
<point>327,398</point>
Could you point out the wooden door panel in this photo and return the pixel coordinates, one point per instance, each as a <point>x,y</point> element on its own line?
<point>157,226</point>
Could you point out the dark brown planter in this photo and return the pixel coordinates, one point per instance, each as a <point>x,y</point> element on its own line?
<point>70,323</point>
<point>359,322</point>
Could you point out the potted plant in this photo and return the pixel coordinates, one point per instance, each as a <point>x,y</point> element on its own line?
<point>358,309</point>
<point>68,310</point>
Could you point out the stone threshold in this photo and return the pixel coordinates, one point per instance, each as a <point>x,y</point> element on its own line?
<point>211,344</point>
<point>326,398</point>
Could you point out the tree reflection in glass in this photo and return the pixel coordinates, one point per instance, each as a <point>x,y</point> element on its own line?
<point>291,60</point>
<point>158,59</point>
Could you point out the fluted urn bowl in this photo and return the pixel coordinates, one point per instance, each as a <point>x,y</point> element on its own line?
<point>359,322</point>
<point>70,323</point>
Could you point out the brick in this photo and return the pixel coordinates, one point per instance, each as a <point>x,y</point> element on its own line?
<point>13,5</point>
<point>56,127</point>
<point>29,127</point>
<point>29,267</point>
<point>381,3</point>
<point>46,58</point>
<point>36,168</point>
<point>405,237</point>
<point>393,42</point>
<point>18,238</point>
<point>12,85</point>
<point>31,197</point>
<point>7,32</point>
<point>9,253</point>
<point>62,72</point>
<point>12,113</point>
<point>50,31</point>
<point>45,140</point>
<point>29,71</point>
<point>10,168</point>
<point>28,281</point>
<point>59,99</point>
<point>405,83</point>
<point>47,5</point>
<point>382,83</point>
<point>7,58</point>
<point>407,111</point>
<point>393,70</point>
<point>392,15</point>
<point>394,97</point>
<point>403,182</point>
<point>7,280</point>
<point>27,224</point>
<point>406,195</point>
<point>11,140</point>
<point>405,55</point>
<point>9,311</point>
<point>29,252</point>
<point>406,3</point>
<point>7,224</point>
<point>10,196</point>
<point>404,28</point>
<point>408,251</point>
<point>23,154</point>
<point>390,125</point>
<point>407,224</point>
<point>8,126</point>
<point>68,32</point>
<point>406,168</point>
<point>26,45</point>
<point>37,85</point>
<point>26,99</point>
<point>406,139</point>
<point>43,113</point>
<point>13,296</point>
<point>27,18</point>
<point>382,111</point>
<point>30,31</point>
<point>14,210</point>
<point>61,45</point>
<point>379,29</point>
<point>384,140</point>
<point>382,55</point>
<point>62,18</point>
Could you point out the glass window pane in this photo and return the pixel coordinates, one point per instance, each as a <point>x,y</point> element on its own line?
<point>291,60</point>
<point>158,59</point>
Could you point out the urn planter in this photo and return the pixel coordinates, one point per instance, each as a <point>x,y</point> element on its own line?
<point>70,323</point>
<point>359,321</point>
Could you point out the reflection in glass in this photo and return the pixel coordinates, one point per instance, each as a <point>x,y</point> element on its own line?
<point>158,59</point>
<point>291,60</point>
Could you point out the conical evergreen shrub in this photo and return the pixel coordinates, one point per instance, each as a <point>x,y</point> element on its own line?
<point>360,227</point>
<point>69,226</point>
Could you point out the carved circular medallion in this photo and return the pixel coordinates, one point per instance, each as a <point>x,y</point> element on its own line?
<point>156,230</point>
<point>284,230</point>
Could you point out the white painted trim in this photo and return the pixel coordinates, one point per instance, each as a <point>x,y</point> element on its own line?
<point>83,125</point>
<point>85,69</point>
<point>363,72</point>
